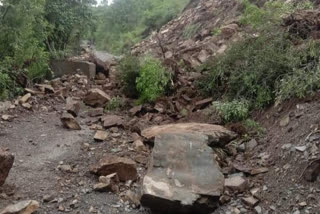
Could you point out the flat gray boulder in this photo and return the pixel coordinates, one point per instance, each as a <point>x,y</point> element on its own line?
<point>183,176</point>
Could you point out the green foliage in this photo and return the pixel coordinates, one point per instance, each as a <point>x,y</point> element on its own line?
<point>129,68</point>
<point>267,67</point>
<point>216,32</point>
<point>271,13</point>
<point>233,111</point>
<point>125,22</point>
<point>304,79</point>
<point>153,80</point>
<point>250,68</point>
<point>31,30</point>
<point>114,104</point>
<point>190,31</point>
<point>254,128</point>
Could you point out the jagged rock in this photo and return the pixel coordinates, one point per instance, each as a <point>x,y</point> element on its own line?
<point>190,182</point>
<point>112,121</point>
<point>96,112</point>
<point>96,97</point>
<point>69,121</point>
<point>139,146</point>
<point>103,187</point>
<point>217,134</point>
<point>135,110</point>
<point>109,164</point>
<point>258,171</point>
<point>25,98</point>
<point>33,92</point>
<point>6,163</point>
<point>100,136</point>
<point>73,107</point>
<point>236,183</point>
<point>250,201</point>
<point>23,207</point>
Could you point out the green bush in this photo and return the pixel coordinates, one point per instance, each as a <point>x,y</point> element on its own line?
<point>190,31</point>
<point>114,104</point>
<point>233,111</point>
<point>250,69</point>
<point>153,80</point>
<point>129,68</point>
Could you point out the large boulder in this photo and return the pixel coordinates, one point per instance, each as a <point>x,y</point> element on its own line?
<point>6,163</point>
<point>183,176</point>
<point>96,97</point>
<point>217,134</point>
<point>125,168</point>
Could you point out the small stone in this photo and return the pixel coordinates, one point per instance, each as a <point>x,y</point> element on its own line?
<point>112,121</point>
<point>23,207</point>
<point>25,98</point>
<point>258,210</point>
<point>69,121</point>
<point>139,146</point>
<point>100,136</point>
<point>7,117</point>
<point>103,187</point>
<point>251,145</point>
<point>303,204</point>
<point>135,110</point>
<point>301,148</point>
<point>65,168</point>
<point>48,198</point>
<point>236,183</point>
<point>286,146</point>
<point>285,121</point>
<point>27,106</point>
<point>250,201</point>
<point>259,171</point>
<point>96,112</point>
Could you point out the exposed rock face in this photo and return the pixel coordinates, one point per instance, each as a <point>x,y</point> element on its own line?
<point>171,43</point>
<point>124,167</point>
<point>23,207</point>
<point>69,122</point>
<point>6,163</point>
<point>183,176</point>
<point>217,134</point>
<point>96,97</point>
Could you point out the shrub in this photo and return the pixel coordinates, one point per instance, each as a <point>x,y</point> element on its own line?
<point>153,80</point>
<point>232,111</point>
<point>114,104</point>
<point>250,69</point>
<point>190,31</point>
<point>254,128</point>
<point>129,68</point>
